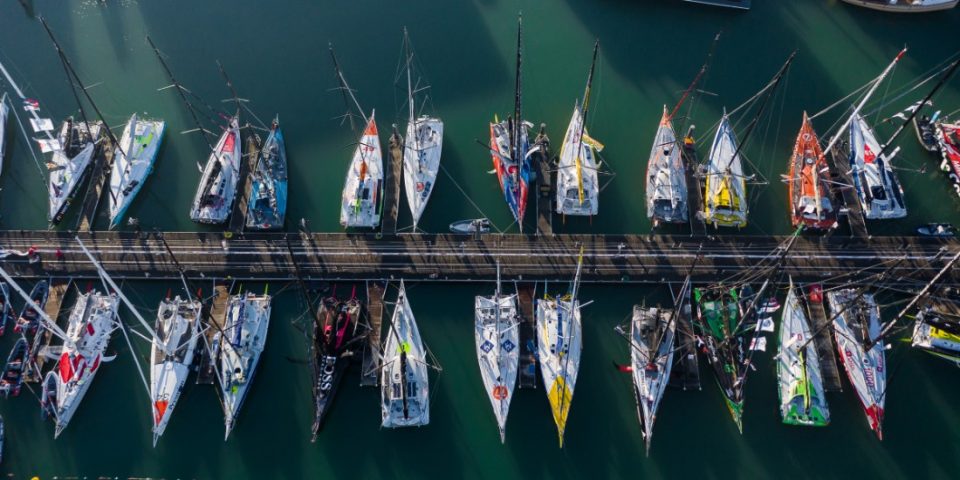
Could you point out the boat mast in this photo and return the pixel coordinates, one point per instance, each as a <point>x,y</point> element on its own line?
<point>411,120</point>
<point>233,90</point>
<point>343,83</point>
<point>856,110</point>
<point>517,105</point>
<point>180,91</point>
<point>73,73</point>
<point>583,121</point>
<point>770,89</point>
<point>913,114</point>
<point>109,281</point>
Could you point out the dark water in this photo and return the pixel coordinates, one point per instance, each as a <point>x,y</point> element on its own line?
<point>276,54</point>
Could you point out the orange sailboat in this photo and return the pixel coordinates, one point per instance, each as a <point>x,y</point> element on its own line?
<point>808,183</point>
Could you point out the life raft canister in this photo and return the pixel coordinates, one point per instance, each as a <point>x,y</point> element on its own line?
<point>500,392</point>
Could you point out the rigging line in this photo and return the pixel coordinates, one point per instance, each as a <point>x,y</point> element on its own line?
<point>133,353</point>
<point>907,92</point>
<point>263,126</point>
<point>26,137</point>
<point>474,204</point>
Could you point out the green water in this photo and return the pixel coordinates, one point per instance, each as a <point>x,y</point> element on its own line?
<point>276,54</point>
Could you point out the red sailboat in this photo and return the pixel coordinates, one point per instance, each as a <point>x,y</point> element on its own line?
<point>808,183</point>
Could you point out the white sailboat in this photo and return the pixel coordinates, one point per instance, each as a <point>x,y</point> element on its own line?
<point>856,325</point>
<point>133,162</point>
<point>726,186</point>
<point>362,197</point>
<point>652,343</point>
<point>578,189</point>
<point>421,147</point>
<point>218,185</point>
<point>666,178</point>
<point>878,189</point>
<point>559,343</point>
<point>91,323</point>
<point>802,397</point>
<point>240,345</point>
<point>178,329</point>
<point>405,381</point>
<point>498,353</point>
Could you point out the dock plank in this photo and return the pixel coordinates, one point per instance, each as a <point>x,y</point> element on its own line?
<point>824,343</point>
<point>238,219</point>
<point>686,367</point>
<point>370,375</point>
<point>528,339</point>
<point>100,173</point>
<point>215,313</point>
<point>42,339</point>
<point>391,188</point>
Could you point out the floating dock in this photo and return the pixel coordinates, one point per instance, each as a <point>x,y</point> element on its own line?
<point>824,343</point>
<point>100,173</point>
<point>852,211</point>
<point>695,185</point>
<point>53,307</point>
<point>215,315</point>
<point>686,368</point>
<point>528,335</point>
<point>391,187</point>
<point>545,192</point>
<point>238,219</point>
<point>370,375</point>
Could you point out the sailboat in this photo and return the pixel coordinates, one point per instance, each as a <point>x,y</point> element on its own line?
<point>905,6</point>
<point>267,206</point>
<point>241,342</point>
<point>218,185</point>
<point>29,319</point>
<point>856,325</point>
<point>13,370</point>
<point>726,186</point>
<point>666,178</point>
<point>559,343</point>
<point>510,148</point>
<point>362,199</point>
<point>404,382</point>
<point>178,329</point>
<point>578,189</point>
<point>725,198</point>
<point>334,332</point>
<point>421,146</point>
<point>4,111</point>
<point>92,321</point>
<point>802,399</point>
<point>876,184</point>
<point>937,329</point>
<point>7,314</point>
<point>652,343</point>
<point>497,339</point>
<point>718,322</point>
<point>133,162</point>
<point>948,138</point>
<point>808,182</point>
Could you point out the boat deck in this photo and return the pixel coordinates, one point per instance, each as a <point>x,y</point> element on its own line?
<point>824,344</point>
<point>686,367</point>
<point>238,219</point>
<point>99,175</point>
<point>695,186</point>
<point>215,313</point>
<point>528,339</point>
<point>58,290</point>
<point>852,212</point>
<point>391,187</point>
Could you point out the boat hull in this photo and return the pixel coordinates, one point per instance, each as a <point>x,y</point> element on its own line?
<point>241,345</point>
<point>267,206</point>
<point>422,148</point>
<point>902,6</point>
<point>666,177</point>
<point>578,190</point>
<point>178,327</point>
<point>652,334</point>
<point>802,399</point>
<point>404,382</point>
<point>514,176</point>
<point>497,339</point>
<point>559,343</point>
<point>948,139</point>
<point>133,163</point>
<point>362,198</point>
<point>725,196</point>
<point>217,189</point>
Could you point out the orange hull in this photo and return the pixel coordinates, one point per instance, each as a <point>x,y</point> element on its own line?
<point>808,184</point>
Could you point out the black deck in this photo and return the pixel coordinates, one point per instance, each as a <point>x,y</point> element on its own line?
<point>238,219</point>
<point>686,367</point>
<point>99,174</point>
<point>370,374</point>
<point>824,343</point>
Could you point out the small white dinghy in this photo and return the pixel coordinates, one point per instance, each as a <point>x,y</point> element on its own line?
<point>133,162</point>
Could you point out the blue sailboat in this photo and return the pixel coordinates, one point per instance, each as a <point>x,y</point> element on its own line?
<point>267,205</point>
